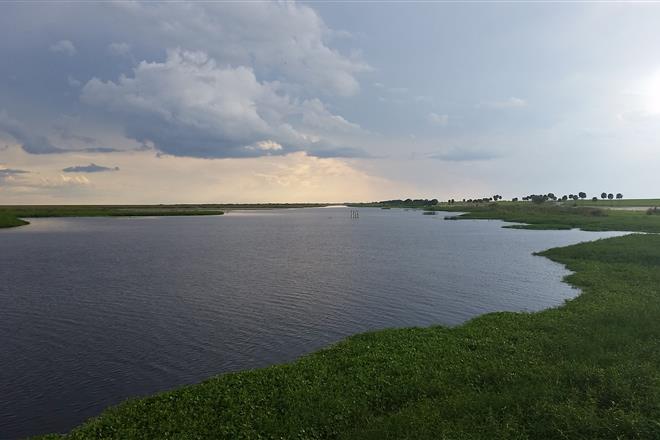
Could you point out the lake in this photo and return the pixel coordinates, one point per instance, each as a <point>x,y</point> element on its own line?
<point>97,310</point>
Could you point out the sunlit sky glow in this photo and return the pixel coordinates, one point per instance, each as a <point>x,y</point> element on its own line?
<point>130,102</point>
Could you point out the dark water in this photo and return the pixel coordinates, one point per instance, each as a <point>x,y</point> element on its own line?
<point>93,311</point>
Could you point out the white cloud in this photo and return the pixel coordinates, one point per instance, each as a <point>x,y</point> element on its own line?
<point>511,102</point>
<point>466,154</point>
<point>119,49</point>
<point>73,82</point>
<point>189,105</point>
<point>65,47</point>
<point>440,120</point>
<point>285,37</point>
<point>267,145</point>
<point>317,116</point>
<point>641,99</point>
<point>68,180</point>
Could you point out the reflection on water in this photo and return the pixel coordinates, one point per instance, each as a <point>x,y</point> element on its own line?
<point>93,311</point>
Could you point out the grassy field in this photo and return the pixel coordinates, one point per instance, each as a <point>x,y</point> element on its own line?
<point>553,216</point>
<point>11,216</point>
<point>619,203</point>
<point>589,369</point>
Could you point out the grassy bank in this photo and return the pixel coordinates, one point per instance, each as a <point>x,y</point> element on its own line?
<point>589,369</point>
<point>554,216</point>
<point>11,216</point>
<point>623,203</point>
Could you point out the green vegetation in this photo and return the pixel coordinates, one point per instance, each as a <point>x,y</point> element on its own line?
<point>589,369</point>
<point>11,215</point>
<point>620,203</point>
<point>398,203</point>
<point>557,216</point>
<point>8,220</point>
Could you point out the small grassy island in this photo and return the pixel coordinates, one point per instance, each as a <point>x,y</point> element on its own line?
<point>589,369</point>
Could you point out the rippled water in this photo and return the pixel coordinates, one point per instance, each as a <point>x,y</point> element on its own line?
<point>96,310</point>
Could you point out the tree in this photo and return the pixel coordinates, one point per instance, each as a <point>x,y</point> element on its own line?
<point>582,195</point>
<point>515,199</point>
<point>595,199</point>
<point>619,196</point>
<point>575,197</point>
<point>564,197</point>
<point>603,196</point>
<point>552,196</point>
<point>610,196</point>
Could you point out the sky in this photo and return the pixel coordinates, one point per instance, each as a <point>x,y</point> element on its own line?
<point>131,102</point>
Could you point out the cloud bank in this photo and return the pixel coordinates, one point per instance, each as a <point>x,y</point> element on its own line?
<point>189,105</point>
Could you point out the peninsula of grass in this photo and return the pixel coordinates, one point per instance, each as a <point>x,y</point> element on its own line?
<point>556,216</point>
<point>618,203</point>
<point>589,369</point>
<point>11,216</point>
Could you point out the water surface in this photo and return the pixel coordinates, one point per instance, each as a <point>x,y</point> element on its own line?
<point>96,310</point>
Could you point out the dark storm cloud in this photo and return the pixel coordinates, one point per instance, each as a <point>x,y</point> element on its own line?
<point>91,168</point>
<point>31,142</point>
<point>11,172</point>
<point>8,175</point>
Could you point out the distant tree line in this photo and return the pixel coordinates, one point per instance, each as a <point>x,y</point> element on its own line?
<point>540,198</point>
<point>495,198</point>
<point>410,203</point>
<point>535,198</point>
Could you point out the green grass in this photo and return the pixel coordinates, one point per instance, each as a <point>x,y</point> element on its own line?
<point>8,220</point>
<point>11,216</point>
<point>619,203</point>
<point>553,216</point>
<point>589,369</point>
